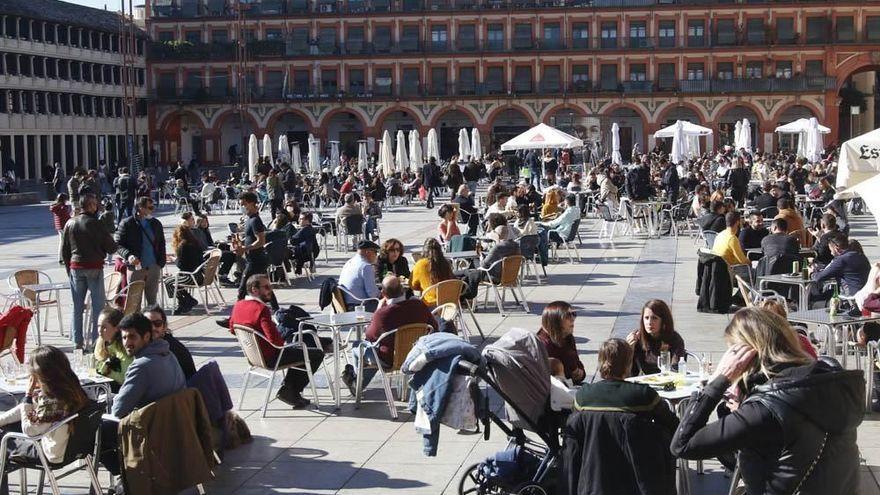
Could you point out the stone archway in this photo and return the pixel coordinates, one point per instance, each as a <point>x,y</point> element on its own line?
<point>506,125</point>
<point>184,138</point>
<point>234,130</point>
<point>294,126</point>
<point>447,125</point>
<point>345,127</point>
<point>726,124</point>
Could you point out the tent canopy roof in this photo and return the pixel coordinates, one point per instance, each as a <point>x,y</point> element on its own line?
<point>689,129</point>
<point>859,160</point>
<point>798,126</point>
<point>542,136</point>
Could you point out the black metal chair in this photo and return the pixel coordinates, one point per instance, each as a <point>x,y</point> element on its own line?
<point>529,248</point>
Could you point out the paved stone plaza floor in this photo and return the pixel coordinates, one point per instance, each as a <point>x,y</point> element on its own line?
<point>363,451</point>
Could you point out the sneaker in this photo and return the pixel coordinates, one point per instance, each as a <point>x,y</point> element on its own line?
<point>222,322</point>
<point>349,378</point>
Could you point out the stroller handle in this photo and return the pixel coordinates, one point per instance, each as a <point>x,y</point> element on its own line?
<point>468,367</point>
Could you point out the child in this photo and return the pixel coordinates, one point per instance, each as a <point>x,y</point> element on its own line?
<point>61,212</point>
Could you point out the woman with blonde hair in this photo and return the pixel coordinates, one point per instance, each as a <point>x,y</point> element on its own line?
<point>794,421</point>
<point>431,269</point>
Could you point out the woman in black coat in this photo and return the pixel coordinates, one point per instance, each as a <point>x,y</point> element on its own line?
<point>189,259</point>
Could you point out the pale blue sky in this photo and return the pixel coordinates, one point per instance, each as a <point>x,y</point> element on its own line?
<point>112,5</point>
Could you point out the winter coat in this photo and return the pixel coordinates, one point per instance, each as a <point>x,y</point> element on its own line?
<point>713,284</point>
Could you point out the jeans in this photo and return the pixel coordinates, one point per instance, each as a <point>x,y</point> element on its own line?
<point>536,179</point>
<point>370,368</point>
<point>369,227</point>
<point>126,209</point>
<point>472,186</point>
<point>82,281</point>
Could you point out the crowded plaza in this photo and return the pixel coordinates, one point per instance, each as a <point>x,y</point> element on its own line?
<point>580,247</point>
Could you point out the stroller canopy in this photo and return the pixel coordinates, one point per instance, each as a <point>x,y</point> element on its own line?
<point>518,363</point>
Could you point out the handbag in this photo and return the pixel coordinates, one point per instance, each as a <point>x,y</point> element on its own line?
<point>872,303</point>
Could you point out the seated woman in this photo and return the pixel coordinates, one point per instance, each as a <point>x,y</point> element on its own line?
<point>111,360</point>
<point>447,227</point>
<point>556,333</point>
<point>498,230</point>
<point>431,269</point>
<point>524,221</point>
<point>801,331</point>
<point>618,440</point>
<point>656,333</point>
<point>53,394</point>
<point>391,260</point>
<point>189,258</point>
<point>550,208</point>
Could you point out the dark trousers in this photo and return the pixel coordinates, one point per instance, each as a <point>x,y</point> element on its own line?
<point>124,210</point>
<point>256,264</point>
<point>555,237</point>
<point>227,259</point>
<point>276,205</point>
<point>431,192</point>
<point>296,380</point>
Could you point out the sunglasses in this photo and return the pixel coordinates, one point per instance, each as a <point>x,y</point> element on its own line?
<point>157,323</point>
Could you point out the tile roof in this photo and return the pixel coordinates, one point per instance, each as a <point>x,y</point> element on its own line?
<point>65,13</point>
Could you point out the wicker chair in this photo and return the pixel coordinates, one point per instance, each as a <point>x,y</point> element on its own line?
<point>509,280</point>
<point>208,269</point>
<point>36,302</point>
<point>449,292</point>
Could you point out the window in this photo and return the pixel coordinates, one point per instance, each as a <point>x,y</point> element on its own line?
<point>580,35</point>
<point>167,84</point>
<point>638,72</point>
<point>302,82</point>
<point>327,40</point>
<point>166,36</point>
<point>329,82</point>
<point>785,30</point>
<point>696,33</point>
<point>467,37</point>
<point>814,68</point>
<point>354,39</point>
<point>467,80</point>
<point>382,38</point>
<point>666,34</point>
<point>274,34</point>
<point>817,30</point>
<point>220,83</point>
<point>846,30</point>
<point>608,77</point>
<point>872,28</point>
<point>755,31</point>
<point>495,80</point>
<point>783,70</point>
<point>724,70</point>
<point>409,39</point>
<point>551,80</point>
<point>439,80</point>
<point>495,37</point>
<point>439,39</point>
<point>356,81</point>
<point>754,70</point>
<point>552,36</point>
<point>638,34</point>
<point>192,83</point>
<point>666,76</point>
<point>274,83</point>
<point>522,79</point>
<point>695,71</point>
<point>608,35</point>
<point>522,36</point>
<point>725,34</point>
<point>219,36</point>
<point>409,85</point>
<point>382,82</point>
<point>193,37</point>
<point>580,77</point>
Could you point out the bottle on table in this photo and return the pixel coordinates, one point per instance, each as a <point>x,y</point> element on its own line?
<point>834,303</point>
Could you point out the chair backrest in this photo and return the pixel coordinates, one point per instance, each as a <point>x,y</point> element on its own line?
<point>447,311</point>
<point>84,432</point>
<point>404,339</point>
<point>510,267</point>
<point>112,283</point>
<point>746,290</point>
<point>26,277</point>
<point>134,295</point>
<point>770,212</point>
<point>605,212</point>
<point>250,346</point>
<point>528,245</point>
<point>709,236</point>
<point>353,224</point>
<point>573,231</point>
<point>448,291</point>
<point>209,273</point>
<point>337,301</point>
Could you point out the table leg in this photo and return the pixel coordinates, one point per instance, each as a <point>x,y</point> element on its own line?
<point>804,303</point>
<point>844,346</point>
<point>360,370</point>
<point>336,370</point>
<point>869,369</point>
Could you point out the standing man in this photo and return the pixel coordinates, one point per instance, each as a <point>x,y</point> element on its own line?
<point>142,245</point>
<point>85,244</point>
<point>252,246</point>
<point>126,187</point>
<point>671,181</point>
<point>534,169</point>
<point>275,192</point>
<point>433,179</point>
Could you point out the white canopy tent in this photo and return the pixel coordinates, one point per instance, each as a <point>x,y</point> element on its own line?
<point>615,145</point>
<point>464,146</point>
<point>476,145</point>
<point>362,155</point>
<point>799,126</point>
<point>296,158</point>
<point>433,145</point>
<point>679,144</point>
<point>746,135</point>
<point>859,161</point>
<point>815,144</point>
<point>386,156</point>
<point>253,157</point>
<point>267,146</point>
<point>542,136</point>
<point>334,154</point>
<point>687,127</point>
<point>415,151</point>
<point>401,162</point>
<point>869,190</point>
<point>283,149</point>
<point>314,154</point>
<point>737,135</point>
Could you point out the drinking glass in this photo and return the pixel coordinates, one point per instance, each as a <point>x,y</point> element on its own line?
<point>77,360</point>
<point>10,370</point>
<point>663,361</point>
<point>360,312</point>
<point>90,366</point>
<point>705,361</point>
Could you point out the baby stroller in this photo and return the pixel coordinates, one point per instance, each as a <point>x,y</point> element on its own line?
<point>517,369</point>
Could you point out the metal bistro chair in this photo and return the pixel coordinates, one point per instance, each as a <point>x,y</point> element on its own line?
<point>208,269</point>
<point>753,296</point>
<point>83,445</point>
<point>528,246</point>
<point>352,229</point>
<point>449,292</point>
<point>134,296</point>
<point>249,340</point>
<point>569,243</point>
<point>509,280</point>
<point>405,338</point>
<point>30,299</point>
<point>608,218</point>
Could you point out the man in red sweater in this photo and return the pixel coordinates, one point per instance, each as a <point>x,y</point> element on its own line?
<point>394,311</point>
<point>253,311</point>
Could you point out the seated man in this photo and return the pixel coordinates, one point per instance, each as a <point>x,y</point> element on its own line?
<point>502,249</point>
<point>850,268</point>
<point>152,375</point>
<point>823,235</point>
<point>779,242</point>
<point>498,229</point>
<point>159,321</point>
<point>751,236</point>
<point>500,206</point>
<point>350,207</point>
<point>358,276</point>
<point>794,221</point>
<point>304,242</point>
<point>560,227</point>
<point>727,243</point>
<point>714,220</point>
<point>394,311</point>
<point>611,412</point>
<point>253,312</point>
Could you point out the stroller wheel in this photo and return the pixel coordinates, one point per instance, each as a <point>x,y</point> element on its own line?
<point>475,482</point>
<point>530,488</point>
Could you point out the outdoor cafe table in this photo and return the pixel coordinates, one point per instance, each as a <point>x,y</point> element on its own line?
<point>335,323</point>
<point>11,394</point>
<point>40,289</point>
<point>651,209</point>
<point>802,283</point>
<point>691,383</point>
<point>820,317</point>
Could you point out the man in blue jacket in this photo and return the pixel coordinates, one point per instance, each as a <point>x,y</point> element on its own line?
<point>850,268</point>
